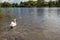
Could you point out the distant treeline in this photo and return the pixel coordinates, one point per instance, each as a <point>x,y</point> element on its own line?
<point>32,4</point>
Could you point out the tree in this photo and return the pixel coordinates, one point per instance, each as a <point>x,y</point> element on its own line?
<point>40,3</point>
<point>15,5</point>
<point>21,4</point>
<point>58,3</point>
<point>6,4</point>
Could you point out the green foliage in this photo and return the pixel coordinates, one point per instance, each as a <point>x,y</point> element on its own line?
<point>39,3</point>
<point>52,4</point>
<point>28,4</point>
<point>5,4</point>
<point>58,3</point>
<point>15,5</point>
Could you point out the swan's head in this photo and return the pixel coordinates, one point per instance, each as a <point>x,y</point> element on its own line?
<point>14,19</point>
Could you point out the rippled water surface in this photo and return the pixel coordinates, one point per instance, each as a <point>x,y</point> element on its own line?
<point>32,24</point>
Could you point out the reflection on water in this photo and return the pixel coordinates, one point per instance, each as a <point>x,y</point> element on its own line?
<point>32,24</point>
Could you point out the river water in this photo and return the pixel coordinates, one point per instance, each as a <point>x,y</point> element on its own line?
<point>32,24</point>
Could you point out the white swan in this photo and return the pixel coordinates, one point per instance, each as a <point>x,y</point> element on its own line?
<point>13,23</point>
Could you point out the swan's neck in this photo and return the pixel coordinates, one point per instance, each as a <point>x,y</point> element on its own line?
<point>14,21</point>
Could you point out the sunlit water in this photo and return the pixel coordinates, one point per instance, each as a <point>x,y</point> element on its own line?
<point>32,24</point>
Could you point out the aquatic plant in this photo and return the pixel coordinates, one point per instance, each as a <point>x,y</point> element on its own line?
<point>4,16</point>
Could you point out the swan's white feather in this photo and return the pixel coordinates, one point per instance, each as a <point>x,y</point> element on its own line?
<point>13,23</point>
